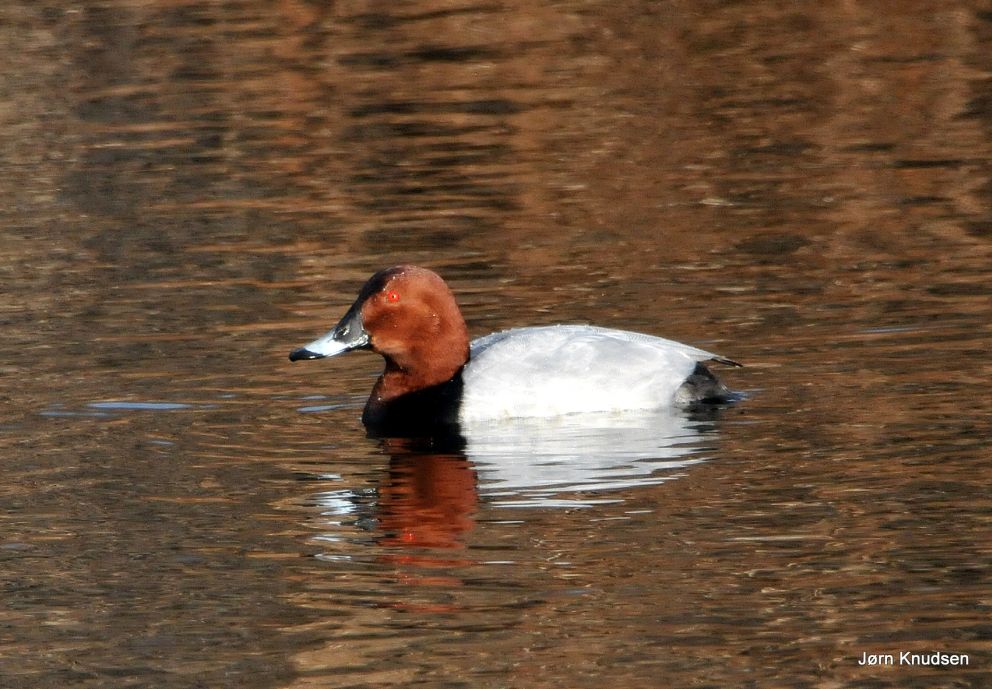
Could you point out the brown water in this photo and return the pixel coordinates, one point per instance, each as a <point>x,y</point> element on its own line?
<point>189,190</point>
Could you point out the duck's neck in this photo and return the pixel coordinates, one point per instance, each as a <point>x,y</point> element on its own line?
<point>398,380</point>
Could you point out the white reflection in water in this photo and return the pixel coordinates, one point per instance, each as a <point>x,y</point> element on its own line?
<point>532,461</point>
<point>105,409</point>
<point>139,406</point>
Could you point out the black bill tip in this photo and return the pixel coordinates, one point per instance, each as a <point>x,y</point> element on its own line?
<point>303,353</point>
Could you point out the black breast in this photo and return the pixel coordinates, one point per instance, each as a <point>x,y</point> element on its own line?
<point>432,411</point>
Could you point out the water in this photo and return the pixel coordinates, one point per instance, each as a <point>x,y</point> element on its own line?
<point>188,191</point>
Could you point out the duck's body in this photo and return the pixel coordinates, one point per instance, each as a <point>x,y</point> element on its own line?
<point>564,369</point>
<point>433,376</point>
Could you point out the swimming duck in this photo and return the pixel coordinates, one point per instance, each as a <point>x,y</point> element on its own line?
<point>435,378</point>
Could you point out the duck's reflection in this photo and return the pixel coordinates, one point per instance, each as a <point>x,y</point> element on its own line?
<point>430,492</point>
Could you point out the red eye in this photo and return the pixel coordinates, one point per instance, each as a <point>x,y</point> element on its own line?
<point>393,296</point>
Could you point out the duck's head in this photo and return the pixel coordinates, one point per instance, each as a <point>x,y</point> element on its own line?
<point>409,316</point>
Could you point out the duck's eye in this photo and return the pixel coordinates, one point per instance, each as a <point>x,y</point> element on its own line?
<point>393,296</point>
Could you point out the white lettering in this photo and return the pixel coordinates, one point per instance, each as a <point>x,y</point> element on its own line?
<point>876,659</point>
<point>932,659</point>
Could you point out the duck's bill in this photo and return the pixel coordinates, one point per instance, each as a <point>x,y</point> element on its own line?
<point>319,349</point>
<point>347,335</point>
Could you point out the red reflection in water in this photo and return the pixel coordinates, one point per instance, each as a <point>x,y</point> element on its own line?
<point>427,501</point>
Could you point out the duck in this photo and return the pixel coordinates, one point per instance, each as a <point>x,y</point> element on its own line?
<point>436,378</point>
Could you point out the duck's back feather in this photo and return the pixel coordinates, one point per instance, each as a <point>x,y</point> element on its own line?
<point>545,371</point>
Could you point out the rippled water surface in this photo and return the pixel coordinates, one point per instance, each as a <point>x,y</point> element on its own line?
<point>188,190</point>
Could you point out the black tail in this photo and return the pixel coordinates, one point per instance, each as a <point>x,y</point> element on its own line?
<point>702,387</point>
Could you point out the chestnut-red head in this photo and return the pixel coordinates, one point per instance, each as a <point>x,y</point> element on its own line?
<point>409,316</point>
